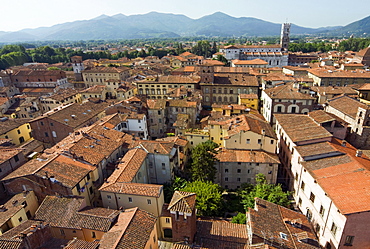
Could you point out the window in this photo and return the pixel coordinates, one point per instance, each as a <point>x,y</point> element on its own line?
<point>163,166</point>
<point>317,228</point>
<point>322,211</point>
<point>226,170</point>
<point>238,179</point>
<point>109,197</point>
<point>93,235</point>
<point>16,158</point>
<point>333,228</point>
<point>312,197</point>
<point>61,231</point>
<point>167,220</point>
<point>248,141</point>
<point>149,201</point>
<point>302,185</point>
<point>284,236</point>
<point>239,170</point>
<point>20,219</point>
<point>272,141</point>
<point>349,240</point>
<point>293,109</point>
<point>177,215</point>
<point>130,199</point>
<point>46,134</point>
<point>42,123</point>
<point>18,131</point>
<point>51,124</point>
<point>296,176</point>
<point>226,179</point>
<point>259,141</point>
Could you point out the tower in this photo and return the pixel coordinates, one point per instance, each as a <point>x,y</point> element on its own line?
<point>78,66</point>
<point>183,216</point>
<point>284,38</point>
<point>206,72</point>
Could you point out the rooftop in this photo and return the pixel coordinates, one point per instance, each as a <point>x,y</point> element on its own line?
<point>301,127</point>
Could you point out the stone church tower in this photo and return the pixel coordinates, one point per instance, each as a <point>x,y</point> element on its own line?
<point>284,38</point>
<point>78,66</point>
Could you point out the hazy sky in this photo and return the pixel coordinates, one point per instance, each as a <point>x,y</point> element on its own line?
<point>20,14</point>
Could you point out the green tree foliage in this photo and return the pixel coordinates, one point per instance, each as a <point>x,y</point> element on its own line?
<point>307,47</point>
<point>202,161</point>
<point>270,192</point>
<point>169,188</point>
<point>240,218</point>
<point>353,44</point>
<point>209,197</point>
<point>202,48</point>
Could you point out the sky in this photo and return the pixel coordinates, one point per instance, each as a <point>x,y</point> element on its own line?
<point>21,14</point>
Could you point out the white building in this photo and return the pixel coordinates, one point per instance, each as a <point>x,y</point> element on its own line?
<point>330,181</point>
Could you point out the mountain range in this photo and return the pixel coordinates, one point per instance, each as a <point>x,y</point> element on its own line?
<point>160,25</point>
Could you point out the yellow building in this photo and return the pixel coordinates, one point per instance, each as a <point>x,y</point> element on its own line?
<point>103,75</point>
<point>247,132</point>
<point>229,110</point>
<point>18,209</point>
<point>18,130</point>
<point>249,100</point>
<point>196,136</point>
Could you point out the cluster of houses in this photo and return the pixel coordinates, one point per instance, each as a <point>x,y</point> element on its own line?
<point>84,154</point>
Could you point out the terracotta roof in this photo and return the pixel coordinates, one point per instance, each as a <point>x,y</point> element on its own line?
<point>221,234</point>
<point>346,105</point>
<point>7,154</point>
<point>106,70</point>
<point>182,120</point>
<point>323,73</point>
<point>249,62</point>
<point>52,207</point>
<point>248,96</point>
<point>62,169</point>
<point>82,244</point>
<point>320,116</point>
<point>182,103</point>
<point>74,215</point>
<point>62,94</point>
<point>74,114</point>
<point>335,90</point>
<point>182,202</point>
<point>173,79</point>
<point>132,230</point>
<point>98,144</point>
<point>150,190</point>
<point>227,155</point>
<point>230,107</point>
<point>286,92</point>
<point>269,220</point>
<point>154,147</point>
<point>234,79</point>
<point>317,150</point>
<point>245,122</point>
<point>345,179</point>
<point>128,167</point>
<point>94,89</point>
<point>301,127</point>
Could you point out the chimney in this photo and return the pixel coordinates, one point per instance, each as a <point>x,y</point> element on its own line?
<point>358,153</point>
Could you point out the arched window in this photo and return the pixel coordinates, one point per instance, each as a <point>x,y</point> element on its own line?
<point>219,99</point>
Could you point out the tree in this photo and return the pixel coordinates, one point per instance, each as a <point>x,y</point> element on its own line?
<point>269,192</point>
<point>240,218</point>
<point>170,187</point>
<point>209,198</point>
<point>203,159</point>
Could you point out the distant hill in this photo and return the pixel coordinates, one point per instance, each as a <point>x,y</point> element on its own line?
<point>360,27</point>
<point>154,24</point>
